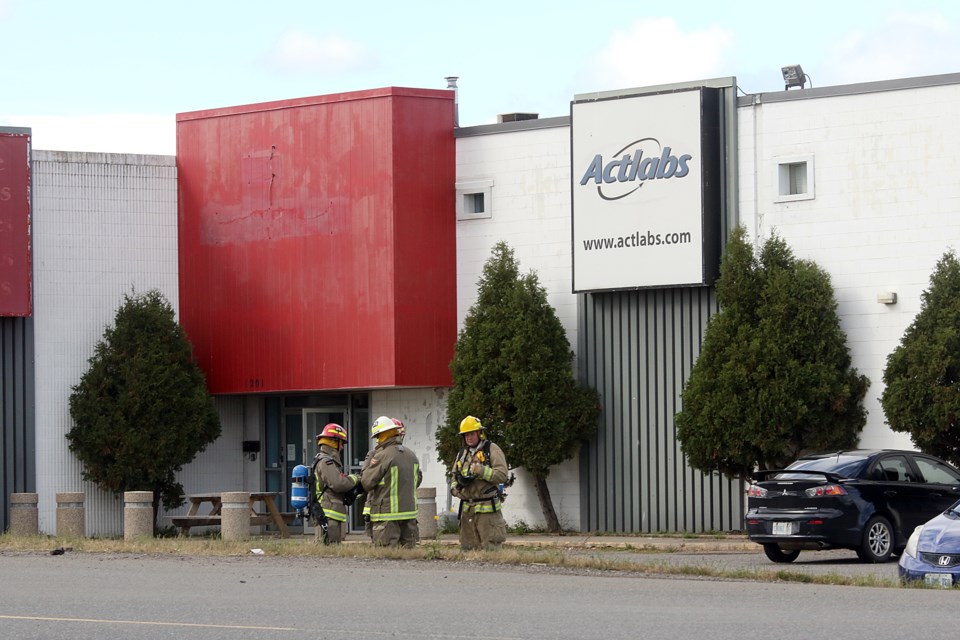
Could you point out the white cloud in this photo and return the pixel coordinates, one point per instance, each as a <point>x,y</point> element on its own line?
<point>297,51</point>
<point>108,133</point>
<point>655,51</point>
<point>905,45</point>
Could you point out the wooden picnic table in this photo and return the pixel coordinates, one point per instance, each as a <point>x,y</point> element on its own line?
<point>213,518</point>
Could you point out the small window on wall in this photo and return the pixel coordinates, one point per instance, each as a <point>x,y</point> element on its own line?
<point>795,179</point>
<point>473,199</point>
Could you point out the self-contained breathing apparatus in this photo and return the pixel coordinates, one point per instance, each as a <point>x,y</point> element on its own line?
<point>306,502</point>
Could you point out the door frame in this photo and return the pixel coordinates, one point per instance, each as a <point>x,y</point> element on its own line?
<point>294,426</point>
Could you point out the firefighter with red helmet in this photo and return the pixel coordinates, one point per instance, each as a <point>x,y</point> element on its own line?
<point>331,483</point>
<point>390,479</point>
<point>478,473</point>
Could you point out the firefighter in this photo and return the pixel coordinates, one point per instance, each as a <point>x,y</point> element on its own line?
<point>331,483</point>
<point>478,472</point>
<point>390,480</point>
<point>367,523</point>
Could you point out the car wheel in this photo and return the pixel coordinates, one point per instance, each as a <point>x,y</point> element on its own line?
<point>877,542</point>
<point>775,553</point>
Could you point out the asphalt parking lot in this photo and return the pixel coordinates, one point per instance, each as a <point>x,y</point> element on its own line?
<point>840,562</point>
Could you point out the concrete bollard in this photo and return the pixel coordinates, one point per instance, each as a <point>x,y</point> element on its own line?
<point>71,516</point>
<point>24,516</point>
<point>137,514</point>
<point>427,512</point>
<point>235,515</point>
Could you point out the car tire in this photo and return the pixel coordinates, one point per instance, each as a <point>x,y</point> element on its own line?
<point>877,545</point>
<point>776,554</point>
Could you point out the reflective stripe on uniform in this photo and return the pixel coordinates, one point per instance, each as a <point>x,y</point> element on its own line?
<point>335,515</point>
<point>394,497</point>
<point>404,515</point>
<point>416,478</point>
<point>484,507</point>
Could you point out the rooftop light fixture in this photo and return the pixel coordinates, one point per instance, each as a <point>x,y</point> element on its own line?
<point>793,76</point>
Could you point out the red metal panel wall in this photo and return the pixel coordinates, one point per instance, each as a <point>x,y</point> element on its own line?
<point>293,226</point>
<point>426,242</point>
<point>15,260</point>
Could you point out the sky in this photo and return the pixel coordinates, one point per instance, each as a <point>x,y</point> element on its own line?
<point>110,76</point>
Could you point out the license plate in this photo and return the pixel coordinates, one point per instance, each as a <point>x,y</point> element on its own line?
<point>782,528</point>
<point>938,579</point>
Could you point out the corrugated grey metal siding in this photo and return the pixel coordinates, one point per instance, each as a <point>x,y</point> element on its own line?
<point>17,415</point>
<point>637,349</point>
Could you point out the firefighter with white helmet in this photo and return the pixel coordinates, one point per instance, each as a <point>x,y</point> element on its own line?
<point>390,479</point>
<point>331,483</point>
<point>478,473</point>
<point>367,524</point>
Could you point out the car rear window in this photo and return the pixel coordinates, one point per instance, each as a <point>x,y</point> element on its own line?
<point>843,465</point>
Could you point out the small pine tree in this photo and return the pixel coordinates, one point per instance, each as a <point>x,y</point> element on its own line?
<point>922,376</point>
<point>141,410</point>
<point>512,370</point>
<point>773,379</point>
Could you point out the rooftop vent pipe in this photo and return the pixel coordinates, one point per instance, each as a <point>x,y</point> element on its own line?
<point>452,84</point>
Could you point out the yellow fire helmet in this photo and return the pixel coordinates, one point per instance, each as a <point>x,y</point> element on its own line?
<point>469,424</point>
<point>382,425</point>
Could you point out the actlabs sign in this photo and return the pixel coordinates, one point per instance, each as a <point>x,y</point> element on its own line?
<point>15,264</point>
<point>646,197</point>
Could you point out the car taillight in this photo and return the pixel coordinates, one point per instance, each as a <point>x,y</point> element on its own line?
<point>826,490</point>
<point>756,492</point>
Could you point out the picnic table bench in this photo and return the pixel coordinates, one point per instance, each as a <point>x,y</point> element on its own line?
<point>213,519</point>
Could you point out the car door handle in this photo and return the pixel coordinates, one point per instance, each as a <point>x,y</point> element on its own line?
<point>936,495</point>
<point>889,494</point>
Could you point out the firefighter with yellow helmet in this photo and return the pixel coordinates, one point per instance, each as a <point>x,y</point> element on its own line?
<point>390,479</point>
<point>478,472</point>
<point>331,483</point>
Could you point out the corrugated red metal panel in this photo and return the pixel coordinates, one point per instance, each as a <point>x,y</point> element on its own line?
<point>426,242</point>
<point>295,218</point>
<point>16,267</point>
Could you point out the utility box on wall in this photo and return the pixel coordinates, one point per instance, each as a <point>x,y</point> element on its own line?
<point>317,241</point>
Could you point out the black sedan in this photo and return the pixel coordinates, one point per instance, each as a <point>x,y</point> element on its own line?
<point>866,500</point>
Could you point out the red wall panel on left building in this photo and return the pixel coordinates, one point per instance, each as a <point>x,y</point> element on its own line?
<point>15,261</point>
<point>317,241</point>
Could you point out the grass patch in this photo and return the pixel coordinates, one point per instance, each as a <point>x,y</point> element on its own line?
<point>428,550</point>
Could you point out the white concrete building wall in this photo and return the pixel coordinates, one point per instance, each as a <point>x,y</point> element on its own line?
<point>222,465</point>
<point>530,210</point>
<point>103,226</point>
<point>886,207</point>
